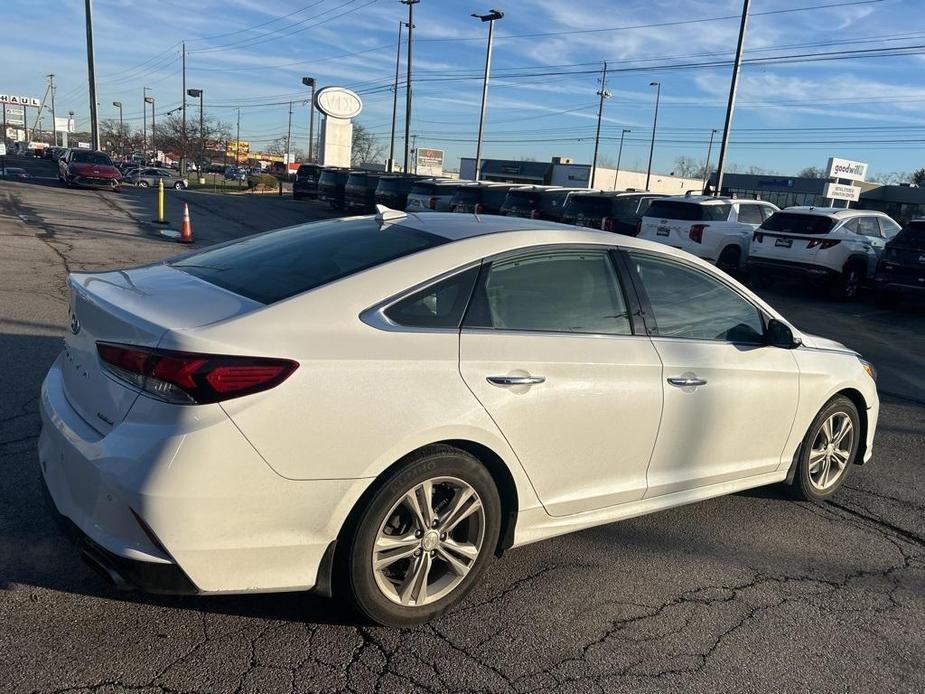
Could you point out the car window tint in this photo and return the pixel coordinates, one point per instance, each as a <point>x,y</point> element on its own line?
<point>766,211</point>
<point>689,211</point>
<point>797,223</point>
<point>868,226</point>
<point>888,227</point>
<point>279,264</point>
<point>750,214</point>
<point>440,305</point>
<point>568,291</point>
<point>688,303</point>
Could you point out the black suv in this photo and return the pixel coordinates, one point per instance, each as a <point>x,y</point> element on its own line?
<point>608,211</point>
<point>331,184</point>
<point>393,190</point>
<point>902,265</point>
<point>360,190</point>
<point>480,198</point>
<point>305,184</point>
<point>537,202</point>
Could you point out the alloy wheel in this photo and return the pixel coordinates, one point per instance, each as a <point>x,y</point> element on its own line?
<point>429,541</point>
<point>831,451</point>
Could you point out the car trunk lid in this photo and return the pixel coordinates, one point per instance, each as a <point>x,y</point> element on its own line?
<point>134,307</point>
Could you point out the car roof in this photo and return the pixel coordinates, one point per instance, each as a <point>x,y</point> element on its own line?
<point>618,193</point>
<point>705,199</point>
<point>833,212</point>
<point>455,226</point>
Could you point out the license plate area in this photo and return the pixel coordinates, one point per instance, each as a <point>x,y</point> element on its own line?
<point>783,243</point>
<point>662,231</point>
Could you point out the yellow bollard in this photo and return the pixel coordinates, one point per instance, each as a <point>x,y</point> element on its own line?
<point>160,201</point>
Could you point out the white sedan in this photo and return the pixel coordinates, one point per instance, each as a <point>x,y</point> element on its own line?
<point>377,406</point>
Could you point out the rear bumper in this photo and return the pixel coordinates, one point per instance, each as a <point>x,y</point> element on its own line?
<point>900,281</point>
<point>776,266</point>
<point>175,499</point>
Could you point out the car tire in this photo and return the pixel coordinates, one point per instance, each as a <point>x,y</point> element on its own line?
<point>729,260</point>
<point>436,555</point>
<point>142,184</point>
<point>821,470</point>
<point>845,286</point>
<point>179,185</point>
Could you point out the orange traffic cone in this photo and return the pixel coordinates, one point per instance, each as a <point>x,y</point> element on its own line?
<point>186,230</point>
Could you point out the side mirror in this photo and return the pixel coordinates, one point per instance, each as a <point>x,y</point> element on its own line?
<point>779,334</point>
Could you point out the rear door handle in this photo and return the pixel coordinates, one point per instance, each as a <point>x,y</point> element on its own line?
<point>686,382</point>
<point>515,380</point>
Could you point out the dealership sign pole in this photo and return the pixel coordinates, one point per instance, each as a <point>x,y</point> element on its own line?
<point>730,107</point>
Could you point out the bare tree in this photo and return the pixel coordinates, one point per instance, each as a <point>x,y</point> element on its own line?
<point>812,172</point>
<point>170,136</point>
<point>366,148</point>
<point>687,167</point>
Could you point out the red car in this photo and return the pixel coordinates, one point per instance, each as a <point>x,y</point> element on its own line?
<point>88,168</point>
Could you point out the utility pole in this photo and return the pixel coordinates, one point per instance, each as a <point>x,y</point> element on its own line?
<point>288,139</point>
<point>54,126</point>
<point>410,4</point>
<point>414,151</point>
<point>491,17</point>
<point>38,115</point>
<point>620,156</point>
<point>706,166</point>
<point>150,100</point>
<point>91,74</point>
<point>395,100</point>
<point>658,95</point>
<point>185,138</point>
<point>604,94</point>
<point>118,105</point>
<point>144,121</point>
<point>198,94</point>
<point>237,148</point>
<point>730,107</point>
<point>310,82</point>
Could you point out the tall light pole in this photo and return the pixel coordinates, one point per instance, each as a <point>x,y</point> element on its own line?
<point>54,125</point>
<point>197,94</point>
<point>118,105</point>
<point>491,18</point>
<point>150,100</point>
<point>658,94</point>
<point>620,156</point>
<point>144,121</point>
<point>91,76</point>
<point>185,136</point>
<point>310,82</point>
<point>395,100</point>
<point>604,94</point>
<point>410,4</point>
<point>730,106</point>
<point>706,166</point>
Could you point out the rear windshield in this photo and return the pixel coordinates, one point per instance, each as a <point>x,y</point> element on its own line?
<point>467,194</point>
<point>307,170</point>
<point>279,264</point>
<point>913,234</point>
<point>423,189</point>
<point>625,207</point>
<point>388,185</point>
<point>591,205</point>
<point>356,180</point>
<point>793,223</point>
<point>333,177</point>
<point>522,198</point>
<point>493,197</point>
<point>554,199</point>
<point>688,211</point>
<point>91,158</point>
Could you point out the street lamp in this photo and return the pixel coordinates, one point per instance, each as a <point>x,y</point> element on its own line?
<point>658,94</point>
<point>620,156</point>
<point>197,94</point>
<point>118,105</point>
<point>150,100</point>
<point>144,121</point>
<point>310,82</point>
<point>491,18</point>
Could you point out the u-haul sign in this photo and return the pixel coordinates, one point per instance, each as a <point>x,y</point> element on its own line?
<point>17,100</point>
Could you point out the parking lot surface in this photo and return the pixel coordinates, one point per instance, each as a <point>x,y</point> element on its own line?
<point>751,592</point>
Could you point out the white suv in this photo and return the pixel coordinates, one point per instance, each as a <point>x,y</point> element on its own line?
<point>716,229</point>
<point>839,245</point>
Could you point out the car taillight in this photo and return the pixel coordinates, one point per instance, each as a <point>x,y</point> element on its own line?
<point>758,237</point>
<point>607,224</point>
<point>432,204</point>
<point>479,208</point>
<point>827,243</point>
<point>192,379</point>
<point>696,232</point>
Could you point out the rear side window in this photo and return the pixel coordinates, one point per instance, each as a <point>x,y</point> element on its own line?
<point>913,234</point>
<point>688,211</point>
<point>588,205</point>
<point>440,305</point>
<point>750,214</point>
<point>276,265</point>
<point>795,223</point>
<point>690,304</point>
<point>565,291</point>
<point>869,226</point>
<point>889,227</point>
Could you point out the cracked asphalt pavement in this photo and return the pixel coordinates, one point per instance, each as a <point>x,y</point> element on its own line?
<point>748,593</point>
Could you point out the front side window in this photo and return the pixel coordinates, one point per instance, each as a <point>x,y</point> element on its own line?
<point>689,303</point>
<point>566,291</point>
<point>441,305</point>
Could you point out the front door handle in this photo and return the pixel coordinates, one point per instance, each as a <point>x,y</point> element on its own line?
<point>686,382</point>
<point>515,380</point>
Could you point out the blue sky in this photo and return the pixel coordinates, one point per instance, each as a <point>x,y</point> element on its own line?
<point>249,53</point>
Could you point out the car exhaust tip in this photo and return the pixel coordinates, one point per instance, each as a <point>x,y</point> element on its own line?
<point>105,570</point>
